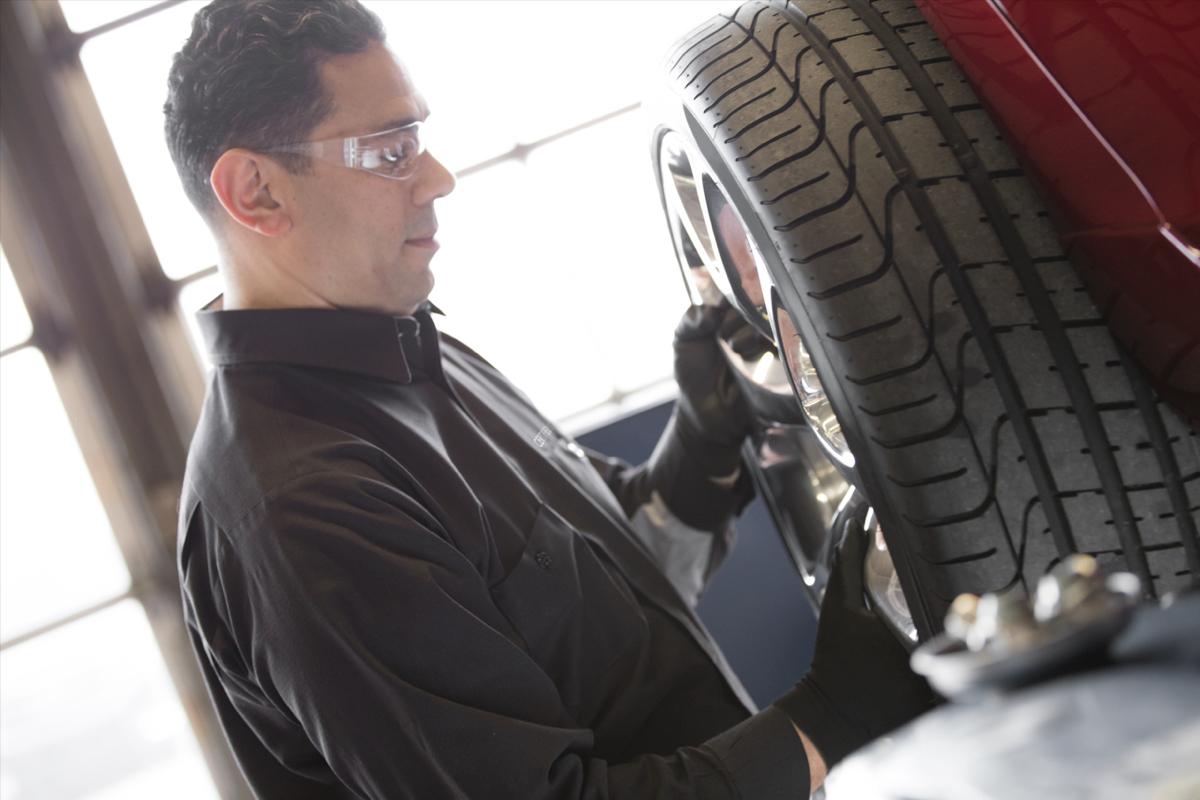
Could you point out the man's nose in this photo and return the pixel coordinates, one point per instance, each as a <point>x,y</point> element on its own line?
<point>433,180</point>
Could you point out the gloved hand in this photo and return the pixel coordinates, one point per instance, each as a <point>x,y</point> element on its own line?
<point>743,337</point>
<point>712,416</point>
<point>860,685</point>
<point>703,438</point>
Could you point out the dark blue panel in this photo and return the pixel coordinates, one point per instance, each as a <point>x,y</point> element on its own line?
<point>631,438</point>
<point>755,607</point>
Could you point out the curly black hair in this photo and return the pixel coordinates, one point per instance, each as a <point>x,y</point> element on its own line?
<point>247,77</point>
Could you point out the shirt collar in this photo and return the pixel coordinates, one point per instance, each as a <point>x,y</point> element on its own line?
<point>351,341</point>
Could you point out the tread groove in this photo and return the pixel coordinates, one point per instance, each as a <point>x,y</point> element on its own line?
<point>703,52</point>
<point>796,188</point>
<point>767,143</point>
<point>919,438</point>
<point>846,197</point>
<point>932,479</point>
<point>951,519</point>
<point>811,148</point>
<point>749,102</point>
<point>991,551</point>
<point>893,373</point>
<point>900,407</point>
<point>873,275</point>
<point>878,326</point>
<point>826,251</point>
<point>720,75</point>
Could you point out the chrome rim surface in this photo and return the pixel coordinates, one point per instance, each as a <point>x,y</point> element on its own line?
<point>883,584</point>
<point>686,218</point>
<point>805,493</point>
<point>723,260</point>
<point>807,386</point>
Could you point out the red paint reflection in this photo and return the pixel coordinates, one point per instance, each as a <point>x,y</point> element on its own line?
<point>739,250</point>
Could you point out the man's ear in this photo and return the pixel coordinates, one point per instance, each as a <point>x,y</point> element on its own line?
<point>248,185</point>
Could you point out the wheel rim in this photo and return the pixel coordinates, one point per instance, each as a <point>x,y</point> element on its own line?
<point>883,584</point>
<point>722,259</point>
<point>804,491</point>
<point>807,386</point>
<point>685,217</point>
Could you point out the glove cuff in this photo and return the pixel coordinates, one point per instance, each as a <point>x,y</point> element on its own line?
<point>714,458</point>
<point>683,480</point>
<point>834,736</point>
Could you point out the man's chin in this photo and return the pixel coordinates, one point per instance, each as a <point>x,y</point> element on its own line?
<point>407,301</point>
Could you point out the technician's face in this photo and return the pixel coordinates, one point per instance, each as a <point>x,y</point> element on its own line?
<point>369,240</point>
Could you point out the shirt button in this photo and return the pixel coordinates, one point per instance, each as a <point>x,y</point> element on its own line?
<point>543,559</point>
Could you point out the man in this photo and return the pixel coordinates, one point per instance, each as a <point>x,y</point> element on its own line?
<point>399,578</point>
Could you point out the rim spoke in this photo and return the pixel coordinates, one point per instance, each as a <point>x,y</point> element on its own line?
<point>883,584</point>
<point>686,215</point>
<point>807,385</point>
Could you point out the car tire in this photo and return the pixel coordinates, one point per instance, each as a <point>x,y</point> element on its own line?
<point>995,424</point>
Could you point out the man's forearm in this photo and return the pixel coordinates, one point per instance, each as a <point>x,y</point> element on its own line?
<point>816,764</point>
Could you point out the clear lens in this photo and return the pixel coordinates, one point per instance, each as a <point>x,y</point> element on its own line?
<point>392,154</point>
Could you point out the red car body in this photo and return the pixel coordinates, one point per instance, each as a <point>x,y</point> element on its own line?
<point>1100,100</point>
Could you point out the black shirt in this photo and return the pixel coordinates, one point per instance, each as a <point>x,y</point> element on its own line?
<point>402,581</point>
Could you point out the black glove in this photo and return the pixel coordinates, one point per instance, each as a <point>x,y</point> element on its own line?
<point>703,439</point>
<point>860,685</point>
<point>712,416</point>
<point>743,337</point>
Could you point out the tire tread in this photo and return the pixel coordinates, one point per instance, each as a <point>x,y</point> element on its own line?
<point>918,248</point>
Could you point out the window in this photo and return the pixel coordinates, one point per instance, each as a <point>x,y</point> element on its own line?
<point>87,709</point>
<point>89,712</point>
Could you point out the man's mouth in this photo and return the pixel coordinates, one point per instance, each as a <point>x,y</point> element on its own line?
<point>428,240</point>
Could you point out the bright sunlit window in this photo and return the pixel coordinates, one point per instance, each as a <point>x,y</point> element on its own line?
<point>89,713</point>
<point>86,709</point>
<point>57,551</point>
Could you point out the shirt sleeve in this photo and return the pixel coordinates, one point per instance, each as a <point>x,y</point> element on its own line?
<point>683,553</point>
<point>686,488</point>
<point>341,621</point>
<point>688,548</point>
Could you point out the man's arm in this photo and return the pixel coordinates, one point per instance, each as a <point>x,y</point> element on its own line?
<point>696,465</point>
<point>860,685</point>
<point>682,500</point>
<point>353,633</point>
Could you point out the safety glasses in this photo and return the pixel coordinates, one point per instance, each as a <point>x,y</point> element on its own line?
<point>389,154</point>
